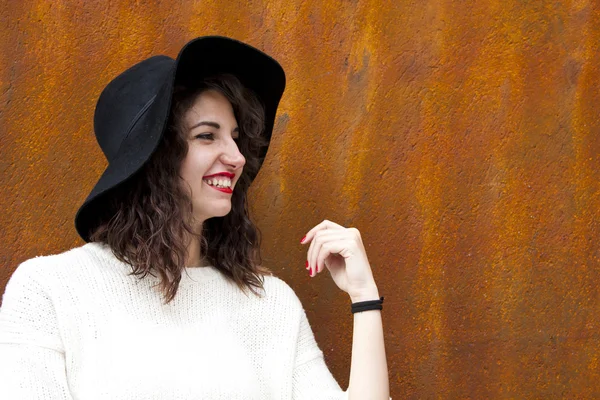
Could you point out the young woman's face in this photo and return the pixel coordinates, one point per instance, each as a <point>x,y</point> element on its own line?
<point>213,163</point>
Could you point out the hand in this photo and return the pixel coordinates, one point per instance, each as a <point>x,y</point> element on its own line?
<point>342,252</point>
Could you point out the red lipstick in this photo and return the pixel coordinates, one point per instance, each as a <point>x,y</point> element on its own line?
<point>224,190</point>
<point>228,175</point>
<point>225,174</point>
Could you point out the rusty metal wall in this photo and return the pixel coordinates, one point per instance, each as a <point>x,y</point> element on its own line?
<point>461,138</point>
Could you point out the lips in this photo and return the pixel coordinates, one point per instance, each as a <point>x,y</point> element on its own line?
<point>224,185</point>
<point>224,190</point>
<point>225,174</point>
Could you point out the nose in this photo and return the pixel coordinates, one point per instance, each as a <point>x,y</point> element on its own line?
<point>232,156</point>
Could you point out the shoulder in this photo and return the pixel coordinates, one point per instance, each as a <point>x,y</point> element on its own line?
<point>39,266</point>
<point>278,286</point>
<point>34,297</point>
<point>45,269</point>
<point>277,291</point>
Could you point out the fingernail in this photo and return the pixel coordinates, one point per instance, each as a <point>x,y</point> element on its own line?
<point>307,265</point>
<point>310,272</point>
<point>302,240</point>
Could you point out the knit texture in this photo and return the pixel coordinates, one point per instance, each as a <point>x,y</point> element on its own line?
<point>78,326</point>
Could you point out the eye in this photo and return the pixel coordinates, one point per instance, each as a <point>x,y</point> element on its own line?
<point>208,136</point>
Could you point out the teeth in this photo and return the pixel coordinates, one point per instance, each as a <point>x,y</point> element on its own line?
<point>223,183</point>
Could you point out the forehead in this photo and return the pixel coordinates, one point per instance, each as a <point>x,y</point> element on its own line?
<point>210,103</point>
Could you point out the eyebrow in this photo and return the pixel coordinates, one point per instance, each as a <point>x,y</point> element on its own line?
<point>211,124</point>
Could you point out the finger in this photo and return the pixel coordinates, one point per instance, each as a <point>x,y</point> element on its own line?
<point>313,251</point>
<point>326,224</point>
<point>331,245</point>
<point>321,238</point>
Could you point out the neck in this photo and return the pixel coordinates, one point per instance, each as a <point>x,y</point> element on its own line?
<point>194,258</point>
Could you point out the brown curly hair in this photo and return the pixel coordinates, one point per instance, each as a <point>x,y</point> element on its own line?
<point>149,217</point>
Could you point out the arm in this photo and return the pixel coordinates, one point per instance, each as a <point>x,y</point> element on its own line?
<point>32,357</point>
<point>32,372</point>
<point>311,379</point>
<point>368,370</point>
<point>341,251</point>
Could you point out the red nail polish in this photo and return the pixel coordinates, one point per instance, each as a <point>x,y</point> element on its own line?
<point>302,240</point>
<point>307,265</point>
<point>310,272</point>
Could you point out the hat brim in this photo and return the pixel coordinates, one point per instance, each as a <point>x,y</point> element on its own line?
<point>199,58</point>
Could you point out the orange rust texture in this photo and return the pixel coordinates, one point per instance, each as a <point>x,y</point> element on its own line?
<point>463,141</point>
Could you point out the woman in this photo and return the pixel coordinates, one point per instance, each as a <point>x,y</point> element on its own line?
<point>168,299</point>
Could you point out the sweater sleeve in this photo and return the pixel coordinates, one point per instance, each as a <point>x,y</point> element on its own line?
<point>32,356</point>
<point>312,380</point>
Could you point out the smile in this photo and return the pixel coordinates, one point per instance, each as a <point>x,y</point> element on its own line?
<point>224,187</point>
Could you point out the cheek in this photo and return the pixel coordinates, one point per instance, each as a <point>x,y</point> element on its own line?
<point>186,171</point>
<point>192,170</point>
<point>195,164</point>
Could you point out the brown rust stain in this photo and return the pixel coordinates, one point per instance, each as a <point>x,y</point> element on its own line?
<point>463,143</point>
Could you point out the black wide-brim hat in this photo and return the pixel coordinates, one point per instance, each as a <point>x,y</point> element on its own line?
<point>133,110</point>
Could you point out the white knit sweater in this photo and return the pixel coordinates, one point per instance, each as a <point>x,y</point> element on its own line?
<point>77,326</point>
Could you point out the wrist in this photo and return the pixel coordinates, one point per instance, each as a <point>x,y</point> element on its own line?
<point>370,293</point>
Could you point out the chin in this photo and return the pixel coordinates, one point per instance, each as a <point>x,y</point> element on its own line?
<point>224,213</point>
<point>216,212</point>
